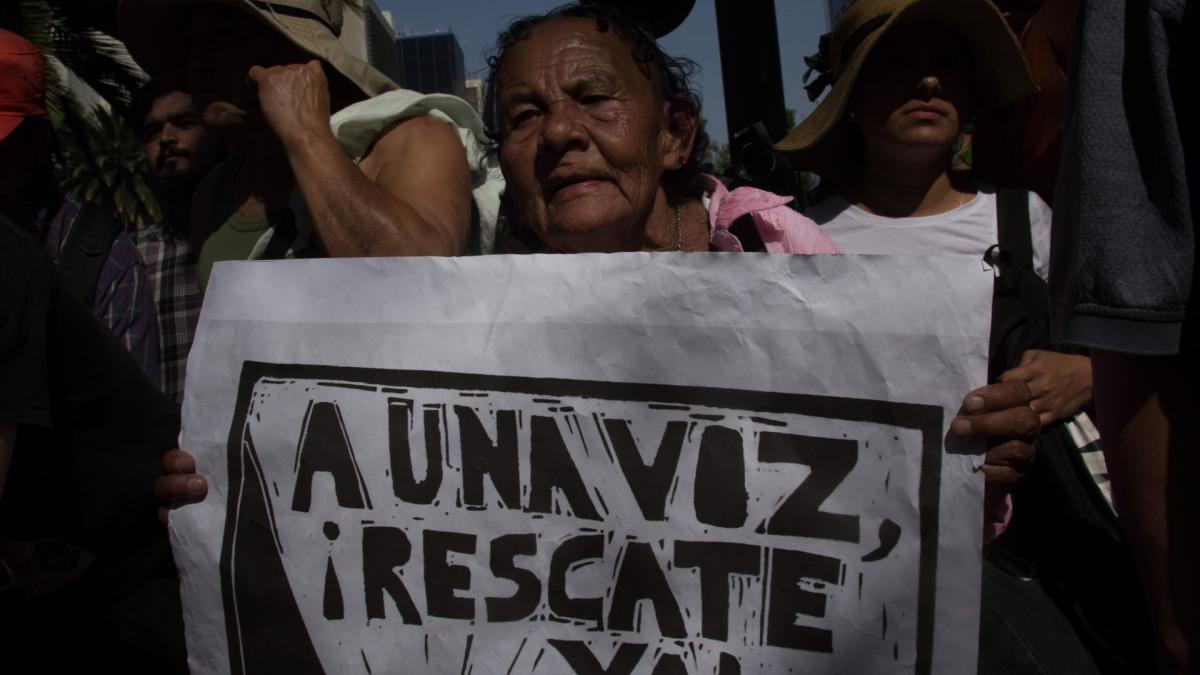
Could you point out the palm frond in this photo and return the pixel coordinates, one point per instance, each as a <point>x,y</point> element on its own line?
<point>100,159</point>
<point>98,60</point>
<point>98,156</point>
<point>77,35</point>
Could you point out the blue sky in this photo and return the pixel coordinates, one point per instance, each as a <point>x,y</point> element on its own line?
<point>476,22</point>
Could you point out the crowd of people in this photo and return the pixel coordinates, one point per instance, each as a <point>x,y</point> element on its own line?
<point>266,140</point>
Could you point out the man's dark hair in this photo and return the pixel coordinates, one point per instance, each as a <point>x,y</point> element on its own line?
<point>143,101</point>
<point>671,74</point>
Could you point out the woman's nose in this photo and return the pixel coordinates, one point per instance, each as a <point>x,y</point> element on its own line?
<point>563,129</point>
<point>929,86</point>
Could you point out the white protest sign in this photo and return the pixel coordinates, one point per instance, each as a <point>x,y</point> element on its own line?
<point>626,464</point>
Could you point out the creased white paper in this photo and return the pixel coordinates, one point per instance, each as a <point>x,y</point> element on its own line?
<point>635,463</point>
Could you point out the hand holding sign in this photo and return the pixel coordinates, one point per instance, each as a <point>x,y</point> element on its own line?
<point>179,484</point>
<point>1001,414</point>
<point>1060,384</point>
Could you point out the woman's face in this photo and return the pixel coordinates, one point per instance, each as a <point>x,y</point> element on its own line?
<point>585,137</point>
<point>913,91</point>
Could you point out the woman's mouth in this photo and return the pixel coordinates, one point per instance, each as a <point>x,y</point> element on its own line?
<point>926,113</point>
<point>570,184</point>
<point>574,189</point>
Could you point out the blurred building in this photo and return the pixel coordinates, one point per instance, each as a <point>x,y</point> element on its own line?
<point>368,34</point>
<point>431,63</point>
<point>474,95</point>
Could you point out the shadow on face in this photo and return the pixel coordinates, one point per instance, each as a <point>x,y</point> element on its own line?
<point>913,92</point>
<point>179,149</point>
<point>585,137</point>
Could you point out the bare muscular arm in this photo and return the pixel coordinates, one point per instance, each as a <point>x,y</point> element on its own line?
<point>409,196</point>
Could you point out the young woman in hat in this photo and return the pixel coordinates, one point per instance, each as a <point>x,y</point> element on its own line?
<point>906,76</point>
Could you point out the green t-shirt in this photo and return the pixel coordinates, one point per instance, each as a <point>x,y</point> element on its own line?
<point>233,240</point>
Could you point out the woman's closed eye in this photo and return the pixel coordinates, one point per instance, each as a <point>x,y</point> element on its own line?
<point>599,106</point>
<point>519,117</point>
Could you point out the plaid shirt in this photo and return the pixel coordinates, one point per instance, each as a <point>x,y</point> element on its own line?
<point>173,279</point>
<point>122,302</point>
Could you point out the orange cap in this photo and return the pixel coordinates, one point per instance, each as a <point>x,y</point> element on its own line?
<point>22,82</point>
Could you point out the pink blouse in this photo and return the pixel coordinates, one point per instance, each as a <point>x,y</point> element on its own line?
<point>782,230</point>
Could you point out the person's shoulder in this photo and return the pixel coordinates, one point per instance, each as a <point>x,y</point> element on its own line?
<point>378,113</point>
<point>827,210</point>
<point>1038,208</point>
<point>394,117</point>
<point>983,187</point>
<point>418,129</point>
<point>412,143</point>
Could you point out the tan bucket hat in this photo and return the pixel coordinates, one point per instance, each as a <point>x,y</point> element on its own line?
<point>1001,75</point>
<point>153,30</point>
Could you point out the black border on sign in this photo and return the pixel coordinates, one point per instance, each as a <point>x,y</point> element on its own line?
<point>926,419</point>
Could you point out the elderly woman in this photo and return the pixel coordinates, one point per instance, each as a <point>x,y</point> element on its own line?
<point>599,140</point>
<point>600,143</point>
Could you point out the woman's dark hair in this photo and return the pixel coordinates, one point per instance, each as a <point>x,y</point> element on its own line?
<point>671,74</point>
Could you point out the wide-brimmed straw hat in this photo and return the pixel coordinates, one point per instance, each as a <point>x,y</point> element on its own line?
<point>1000,73</point>
<point>153,31</point>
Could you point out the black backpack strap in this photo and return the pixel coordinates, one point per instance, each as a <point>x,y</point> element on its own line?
<point>1014,229</point>
<point>1020,304</point>
<point>86,250</point>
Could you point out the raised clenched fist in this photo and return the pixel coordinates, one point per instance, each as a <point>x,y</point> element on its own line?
<point>294,99</point>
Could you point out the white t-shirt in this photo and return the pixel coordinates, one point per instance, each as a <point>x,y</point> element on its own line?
<point>967,230</point>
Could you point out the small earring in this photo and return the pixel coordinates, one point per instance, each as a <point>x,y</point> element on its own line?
<point>683,161</point>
